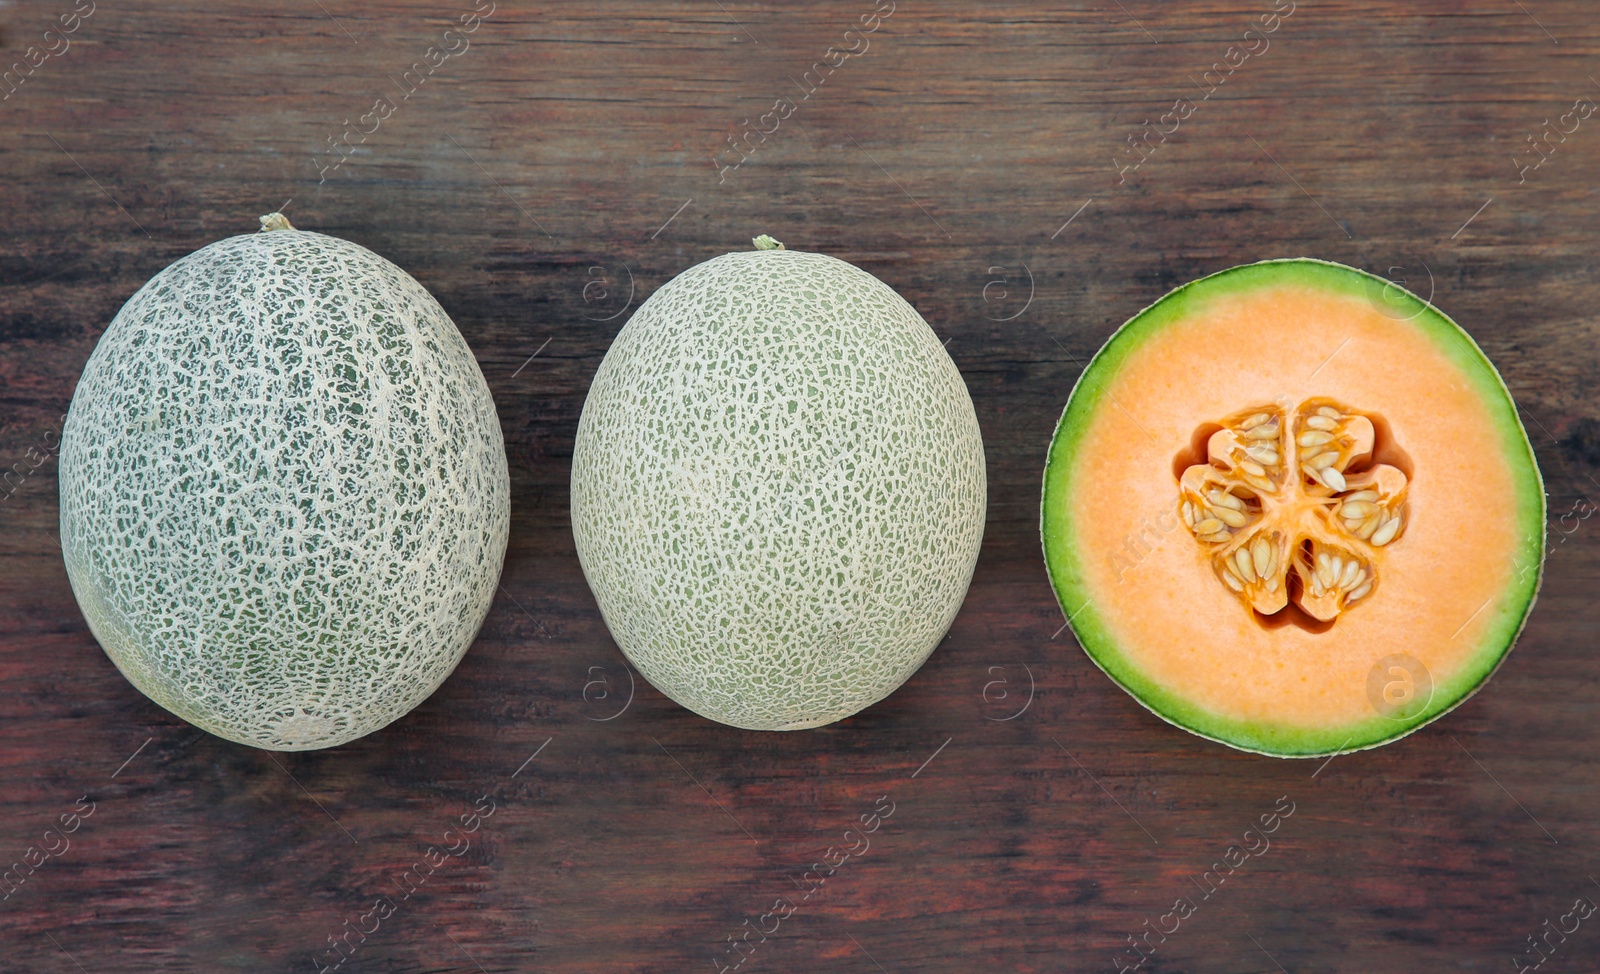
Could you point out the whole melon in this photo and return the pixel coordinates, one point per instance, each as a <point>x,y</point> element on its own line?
<point>284,495</point>
<point>778,489</point>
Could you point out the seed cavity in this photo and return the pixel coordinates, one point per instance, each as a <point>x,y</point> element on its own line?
<point>1276,496</point>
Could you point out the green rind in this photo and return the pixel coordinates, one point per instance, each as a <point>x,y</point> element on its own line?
<point>1095,635</point>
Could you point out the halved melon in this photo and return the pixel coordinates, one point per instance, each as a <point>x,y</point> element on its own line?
<point>1290,507</point>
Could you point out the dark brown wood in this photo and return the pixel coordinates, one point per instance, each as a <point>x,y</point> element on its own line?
<point>549,155</point>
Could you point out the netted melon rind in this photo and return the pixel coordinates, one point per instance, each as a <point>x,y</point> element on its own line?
<point>284,494</point>
<point>778,489</point>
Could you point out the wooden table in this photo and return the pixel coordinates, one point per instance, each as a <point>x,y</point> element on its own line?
<point>560,164</point>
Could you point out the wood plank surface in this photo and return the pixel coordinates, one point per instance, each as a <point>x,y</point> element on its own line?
<point>542,181</point>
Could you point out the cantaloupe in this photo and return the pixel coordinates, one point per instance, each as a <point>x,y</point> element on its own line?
<point>1291,508</point>
<point>778,489</point>
<point>284,494</point>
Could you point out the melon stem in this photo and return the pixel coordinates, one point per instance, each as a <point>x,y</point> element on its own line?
<point>762,242</point>
<point>275,221</point>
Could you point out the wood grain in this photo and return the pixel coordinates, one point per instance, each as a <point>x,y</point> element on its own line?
<point>549,156</point>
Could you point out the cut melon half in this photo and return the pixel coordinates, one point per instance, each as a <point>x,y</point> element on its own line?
<point>1290,507</point>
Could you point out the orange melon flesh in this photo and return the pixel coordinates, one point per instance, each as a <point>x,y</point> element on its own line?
<point>1145,596</point>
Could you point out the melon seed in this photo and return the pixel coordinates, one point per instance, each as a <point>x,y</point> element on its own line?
<point>1241,558</point>
<point>1222,498</point>
<point>1262,555</point>
<point>1229,516</point>
<point>1386,533</point>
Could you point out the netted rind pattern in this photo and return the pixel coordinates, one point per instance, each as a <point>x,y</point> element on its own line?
<point>778,489</point>
<point>284,495</point>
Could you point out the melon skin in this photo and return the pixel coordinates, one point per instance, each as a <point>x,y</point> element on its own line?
<point>778,490</point>
<point>1497,621</point>
<point>284,492</point>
